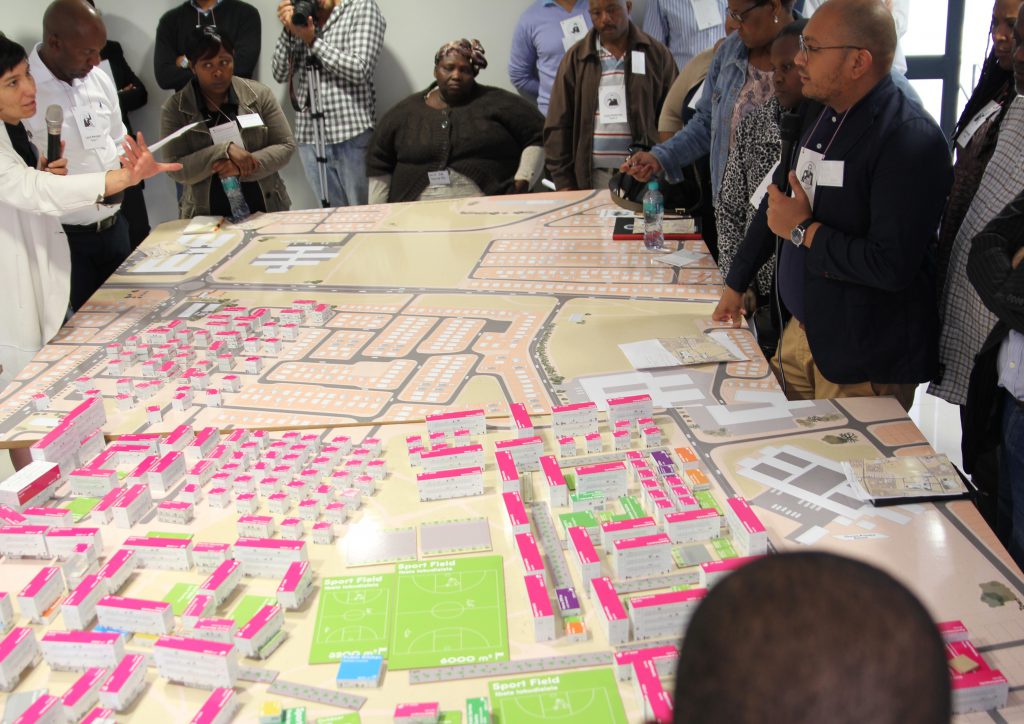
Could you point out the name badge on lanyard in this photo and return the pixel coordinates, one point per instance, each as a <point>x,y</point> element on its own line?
<point>977,122</point>
<point>612,104</point>
<point>439,178</point>
<point>706,13</point>
<point>93,136</point>
<point>227,133</point>
<point>573,29</point>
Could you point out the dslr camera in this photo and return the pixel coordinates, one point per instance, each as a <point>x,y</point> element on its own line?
<point>304,10</point>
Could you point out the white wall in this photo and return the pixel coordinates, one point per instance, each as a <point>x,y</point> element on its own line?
<point>416,29</point>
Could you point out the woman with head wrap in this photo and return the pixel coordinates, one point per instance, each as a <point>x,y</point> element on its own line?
<point>456,139</point>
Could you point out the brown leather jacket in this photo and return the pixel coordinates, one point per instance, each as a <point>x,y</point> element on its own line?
<point>569,129</point>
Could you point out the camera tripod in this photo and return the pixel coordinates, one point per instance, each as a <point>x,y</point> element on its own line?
<point>316,112</point>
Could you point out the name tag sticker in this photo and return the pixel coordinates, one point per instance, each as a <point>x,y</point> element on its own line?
<point>612,104</point>
<point>830,173</point>
<point>808,167</point>
<point>88,126</point>
<point>227,133</point>
<point>976,123</point>
<point>574,27</point>
<point>638,60</point>
<point>439,178</point>
<point>706,13</point>
<point>250,120</point>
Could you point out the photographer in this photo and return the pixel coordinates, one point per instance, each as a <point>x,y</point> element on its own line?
<point>339,42</point>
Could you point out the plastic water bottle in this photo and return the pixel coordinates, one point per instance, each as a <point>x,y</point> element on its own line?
<point>654,217</point>
<point>233,190</point>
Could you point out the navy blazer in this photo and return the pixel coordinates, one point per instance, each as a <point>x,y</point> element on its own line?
<point>870,308</point>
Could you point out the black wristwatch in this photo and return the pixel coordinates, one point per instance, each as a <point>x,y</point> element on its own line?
<point>797,234</point>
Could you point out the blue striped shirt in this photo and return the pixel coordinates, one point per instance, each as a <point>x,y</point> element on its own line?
<point>1011,364</point>
<point>611,140</point>
<point>674,23</point>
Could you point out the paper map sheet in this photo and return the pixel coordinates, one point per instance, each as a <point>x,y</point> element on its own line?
<point>904,477</point>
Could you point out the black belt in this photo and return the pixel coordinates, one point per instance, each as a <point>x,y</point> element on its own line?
<point>99,226</point>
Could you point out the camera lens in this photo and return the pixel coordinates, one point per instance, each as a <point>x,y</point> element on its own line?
<point>303,10</point>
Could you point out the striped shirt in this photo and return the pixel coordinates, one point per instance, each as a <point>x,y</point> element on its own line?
<point>611,140</point>
<point>674,23</point>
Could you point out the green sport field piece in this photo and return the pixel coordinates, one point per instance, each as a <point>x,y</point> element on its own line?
<point>354,617</point>
<point>449,612</point>
<point>576,697</point>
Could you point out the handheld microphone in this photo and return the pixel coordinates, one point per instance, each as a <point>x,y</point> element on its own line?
<point>54,122</point>
<point>790,131</point>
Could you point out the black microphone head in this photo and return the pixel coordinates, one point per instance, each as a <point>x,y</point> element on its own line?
<point>54,119</point>
<point>789,128</point>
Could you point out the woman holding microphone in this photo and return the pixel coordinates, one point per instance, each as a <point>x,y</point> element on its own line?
<point>35,276</point>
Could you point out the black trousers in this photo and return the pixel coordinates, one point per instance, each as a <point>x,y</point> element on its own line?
<point>94,257</point>
<point>134,210</point>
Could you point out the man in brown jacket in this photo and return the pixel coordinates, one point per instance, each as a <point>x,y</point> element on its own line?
<point>607,96</point>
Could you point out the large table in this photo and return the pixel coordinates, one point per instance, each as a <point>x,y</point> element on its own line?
<point>535,291</point>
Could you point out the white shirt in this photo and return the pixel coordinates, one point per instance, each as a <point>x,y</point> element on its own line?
<point>900,13</point>
<point>94,96</point>
<point>35,276</point>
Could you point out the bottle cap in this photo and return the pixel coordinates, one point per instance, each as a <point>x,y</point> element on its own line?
<point>652,185</point>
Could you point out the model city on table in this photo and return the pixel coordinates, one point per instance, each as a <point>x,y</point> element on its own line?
<point>608,489</point>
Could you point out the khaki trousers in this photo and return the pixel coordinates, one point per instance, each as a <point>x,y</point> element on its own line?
<point>804,380</point>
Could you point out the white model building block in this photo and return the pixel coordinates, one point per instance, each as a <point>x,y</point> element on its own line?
<point>451,458</point>
<point>208,555</point>
<point>258,638</point>
<point>293,528</point>
<point>446,484</point>
<point>268,558</point>
<point>47,516</point>
<point>558,488</point>
<point>196,662</point>
<point>135,615</point>
<point>448,422</point>
<point>38,597</point>
<point>44,710</point>
<point>632,408</point>
<point>118,568</point>
<point>201,606</point>
<point>221,630</point>
<point>81,650</point>
<point>663,615</point>
<point>323,533</point>
<point>19,651</point>
<point>6,613</point>
<point>612,531</point>
<point>255,526</point>
<point>132,506</point>
<point>610,478</point>
<point>79,608</point>
<point>643,556</point>
<point>222,582</point>
<point>23,541</point>
<point>167,554</point>
<point>593,443</point>
<point>748,533</point>
<point>584,555</point>
<point>515,513</point>
<point>125,683</point>
<point>175,512</point>
<point>296,585</point>
<point>92,482</point>
<point>577,419</point>
<point>33,485</point>
<point>61,541</point>
<point>219,708</point>
<point>612,612</point>
<point>526,452</point>
<point>82,695</point>
<point>540,607</point>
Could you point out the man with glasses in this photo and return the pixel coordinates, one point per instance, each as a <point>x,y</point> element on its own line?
<point>856,271</point>
<point>900,10</point>
<point>607,95</point>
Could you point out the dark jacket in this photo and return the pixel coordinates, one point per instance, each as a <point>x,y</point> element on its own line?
<point>871,314</point>
<point>272,144</point>
<point>236,20</point>
<point>124,76</point>
<point>569,131</point>
<point>482,139</point>
<point>1001,288</point>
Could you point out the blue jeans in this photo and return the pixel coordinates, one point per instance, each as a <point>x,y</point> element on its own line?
<point>1011,471</point>
<point>346,170</point>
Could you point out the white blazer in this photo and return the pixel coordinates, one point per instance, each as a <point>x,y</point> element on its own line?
<point>35,264</point>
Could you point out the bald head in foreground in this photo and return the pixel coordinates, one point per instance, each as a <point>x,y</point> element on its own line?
<point>73,36</point>
<point>808,638</point>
